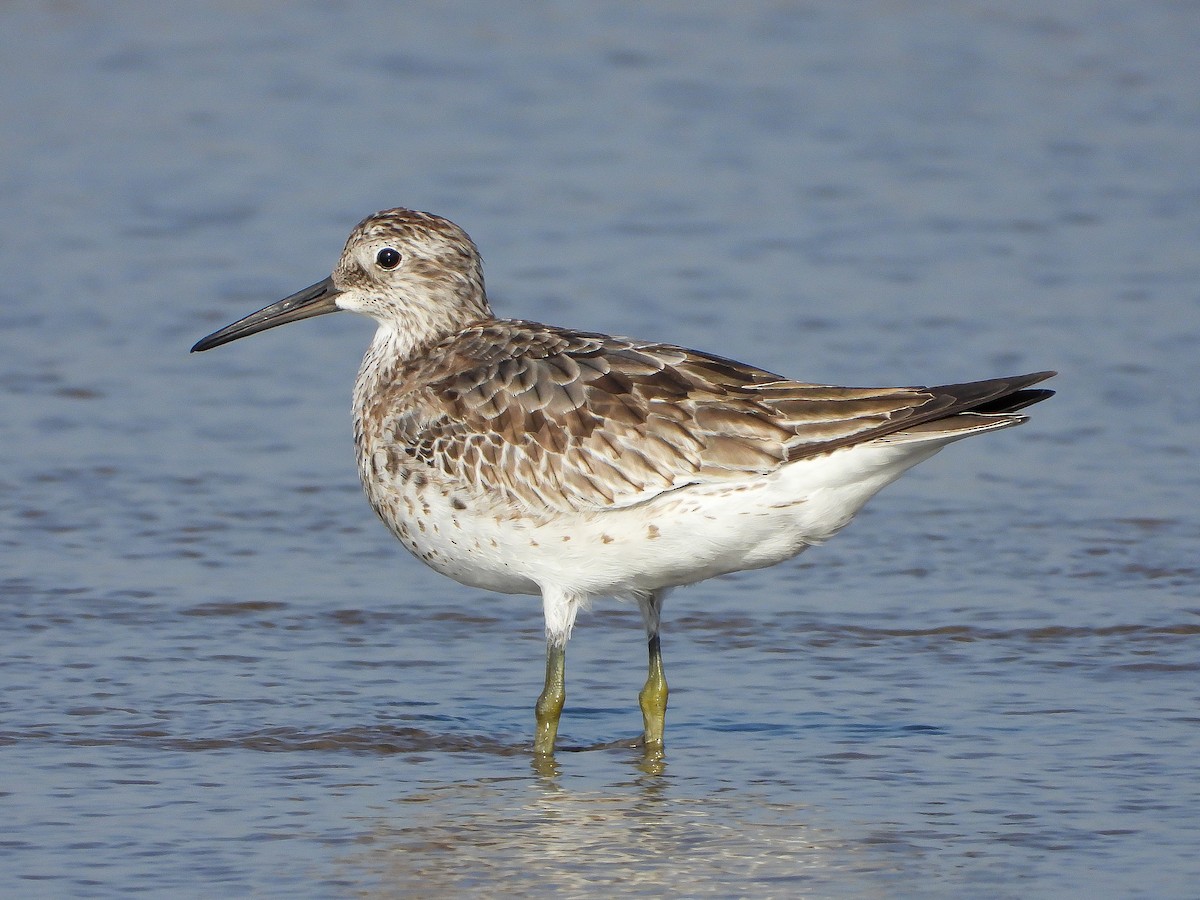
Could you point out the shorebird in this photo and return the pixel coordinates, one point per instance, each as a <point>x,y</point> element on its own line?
<point>532,459</point>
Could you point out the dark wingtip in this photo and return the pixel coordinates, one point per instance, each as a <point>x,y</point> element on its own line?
<point>1039,376</point>
<point>999,395</point>
<point>1019,399</point>
<point>1014,401</point>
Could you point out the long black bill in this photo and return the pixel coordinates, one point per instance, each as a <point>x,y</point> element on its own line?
<point>316,300</point>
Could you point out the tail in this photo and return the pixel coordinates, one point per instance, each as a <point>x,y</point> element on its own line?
<point>960,410</point>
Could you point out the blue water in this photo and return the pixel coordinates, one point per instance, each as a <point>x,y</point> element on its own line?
<point>221,676</point>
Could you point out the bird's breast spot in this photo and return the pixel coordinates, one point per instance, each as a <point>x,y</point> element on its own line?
<point>788,504</point>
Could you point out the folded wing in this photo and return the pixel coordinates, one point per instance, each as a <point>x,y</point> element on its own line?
<point>563,420</point>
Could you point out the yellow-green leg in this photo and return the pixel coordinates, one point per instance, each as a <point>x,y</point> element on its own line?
<point>550,703</point>
<point>653,699</point>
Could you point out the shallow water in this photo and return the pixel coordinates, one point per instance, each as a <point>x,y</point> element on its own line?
<point>222,676</point>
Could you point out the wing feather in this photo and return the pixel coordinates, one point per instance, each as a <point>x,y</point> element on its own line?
<point>573,421</point>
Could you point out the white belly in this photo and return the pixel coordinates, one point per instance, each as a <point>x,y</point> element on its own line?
<point>679,537</point>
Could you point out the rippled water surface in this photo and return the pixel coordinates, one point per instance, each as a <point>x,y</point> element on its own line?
<point>222,677</point>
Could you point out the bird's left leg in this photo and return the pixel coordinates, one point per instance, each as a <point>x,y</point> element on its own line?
<point>653,696</point>
<point>560,610</point>
<point>550,702</point>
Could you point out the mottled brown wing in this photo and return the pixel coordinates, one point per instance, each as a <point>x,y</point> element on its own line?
<point>571,421</point>
<point>825,418</point>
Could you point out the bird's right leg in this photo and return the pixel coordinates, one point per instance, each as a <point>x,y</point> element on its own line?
<point>653,697</point>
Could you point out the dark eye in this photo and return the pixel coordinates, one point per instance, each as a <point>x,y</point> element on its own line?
<point>388,258</point>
